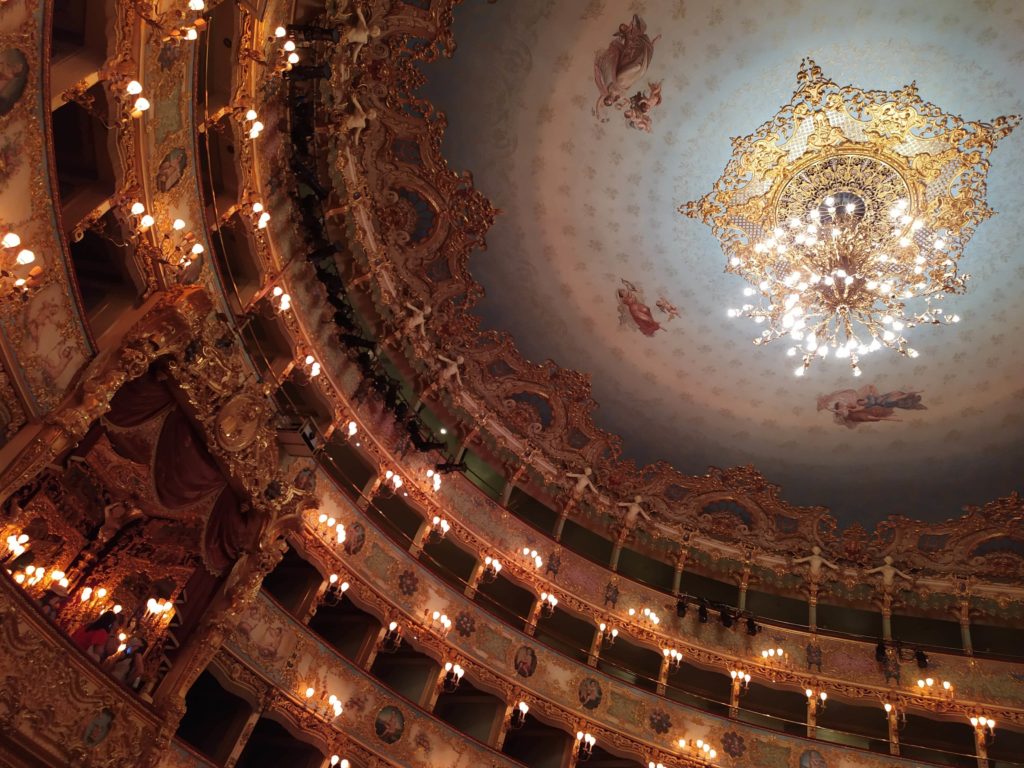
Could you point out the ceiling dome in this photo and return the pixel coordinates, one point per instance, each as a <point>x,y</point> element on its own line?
<point>590,264</point>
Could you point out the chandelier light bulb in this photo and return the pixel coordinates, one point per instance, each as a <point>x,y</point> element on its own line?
<point>25,256</point>
<point>134,88</point>
<point>146,221</point>
<point>196,5</point>
<point>293,58</point>
<point>178,225</point>
<point>11,240</point>
<point>141,104</point>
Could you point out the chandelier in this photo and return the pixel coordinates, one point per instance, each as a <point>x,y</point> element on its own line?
<point>848,213</point>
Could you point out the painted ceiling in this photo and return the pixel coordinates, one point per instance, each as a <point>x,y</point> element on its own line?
<point>590,226</point>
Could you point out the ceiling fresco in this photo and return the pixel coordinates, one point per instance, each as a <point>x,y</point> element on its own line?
<point>589,122</point>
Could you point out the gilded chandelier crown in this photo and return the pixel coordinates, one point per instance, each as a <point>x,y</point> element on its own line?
<point>848,213</point>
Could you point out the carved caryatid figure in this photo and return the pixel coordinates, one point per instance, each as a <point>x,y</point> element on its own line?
<point>356,120</point>
<point>889,573</point>
<point>450,371</point>
<point>358,33</point>
<point>628,518</point>
<point>415,322</point>
<point>583,482</point>
<point>815,562</point>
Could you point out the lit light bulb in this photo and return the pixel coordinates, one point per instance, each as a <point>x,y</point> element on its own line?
<point>141,104</point>
<point>25,256</point>
<point>134,88</point>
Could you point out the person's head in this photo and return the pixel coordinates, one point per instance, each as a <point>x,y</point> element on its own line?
<point>105,621</point>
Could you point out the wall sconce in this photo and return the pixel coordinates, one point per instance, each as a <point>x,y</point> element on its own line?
<point>935,687</point>
<point>440,623</point>
<point>985,726</point>
<point>646,614</point>
<point>279,300</point>
<point>700,748</point>
<point>439,528</point>
<point>820,696</point>
<point>17,277</point>
<point>452,677</point>
<point>675,658</point>
<point>773,655</point>
<point>336,589</point>
<point>139,103</point>
<point>741,678</point>
<point>309,368</point>
<point>335,705</point>
<point>519,712</point>
<point>608,634</point>
<point>340,762</point>
<point>584,745</point>
<point>435,479</point>
<point>394,479</point>
<point>392,638</point>
<point>251,124</point>
<point>548,603</point>
<point>16,545</point>
<point>492,567</point>
<point>533,558</point>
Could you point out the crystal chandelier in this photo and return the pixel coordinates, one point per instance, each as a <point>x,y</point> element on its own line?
<point>848,213</point>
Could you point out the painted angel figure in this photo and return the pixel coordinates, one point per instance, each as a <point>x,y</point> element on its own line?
<point>622,63</point>
<point>668,308</point>
<point>632,308</point>
<point>641,104</point>
<point>850,407</point>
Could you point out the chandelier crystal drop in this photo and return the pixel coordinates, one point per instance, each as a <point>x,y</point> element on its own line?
<point>847,213</point>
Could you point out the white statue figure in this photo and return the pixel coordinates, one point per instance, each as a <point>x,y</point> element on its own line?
<point>359,33</point>
<point>415,323</point>
<point>889,573</point>
<point>633,511</point>
<point>450,371</point>
<point>357,119</point>
<point>815,561</point>
<point>583,482</point>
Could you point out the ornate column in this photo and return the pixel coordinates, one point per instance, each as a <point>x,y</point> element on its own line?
<point>174,319</point>
<point>531,620</point>
<point>744,583</point>
<point>662,676</point>
<point>812,716</point>
<point>243,737</point>
<point>369,491</point>
<point>893,718</point>
<point>474,580</point>
<point>963,591</point>
<point>679,558</point>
